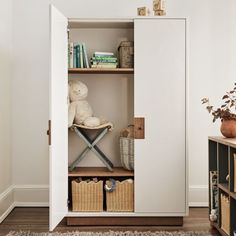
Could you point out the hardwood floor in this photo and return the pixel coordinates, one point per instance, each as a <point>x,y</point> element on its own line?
<point>36,220</point>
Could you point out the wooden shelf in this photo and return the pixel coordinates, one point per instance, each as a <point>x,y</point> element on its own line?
<point>233,195</point>
<point>100,71</point>
<point>226,141</point>
<point>224,187</point>
<point>100,172</point>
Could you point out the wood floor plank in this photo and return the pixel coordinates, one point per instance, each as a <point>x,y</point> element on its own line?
<point>36,219</point>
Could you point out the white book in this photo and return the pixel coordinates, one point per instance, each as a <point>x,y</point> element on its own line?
<point>103,53</point>
<point>71,55</point>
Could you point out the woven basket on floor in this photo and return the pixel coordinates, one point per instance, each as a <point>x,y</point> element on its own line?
<point>122,198</point>
<point>87,196</point>
<point>225,218</point>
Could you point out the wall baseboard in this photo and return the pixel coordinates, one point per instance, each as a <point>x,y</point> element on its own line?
<point>7,203</point>
<point>31,204</point>
<point>23,196</point>
<point>31,195</point>
<point>7,212</point>
<point>38,196</point>
<point>198,196</point>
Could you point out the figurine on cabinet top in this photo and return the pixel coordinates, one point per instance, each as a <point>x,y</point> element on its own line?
<point>159,7</point>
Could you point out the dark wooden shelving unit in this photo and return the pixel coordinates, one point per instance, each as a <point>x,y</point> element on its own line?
<point>100,172</point>
<point>100,71</point>
<point>221,159</point>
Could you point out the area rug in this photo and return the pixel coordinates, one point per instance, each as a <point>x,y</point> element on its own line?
<point>114,233</point>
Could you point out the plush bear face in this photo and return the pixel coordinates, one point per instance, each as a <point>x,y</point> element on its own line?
<point>77,91</point>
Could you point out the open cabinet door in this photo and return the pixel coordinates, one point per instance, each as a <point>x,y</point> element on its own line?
<point>59,119</point>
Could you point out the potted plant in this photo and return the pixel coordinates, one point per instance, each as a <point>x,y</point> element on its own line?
<point>226,112</point>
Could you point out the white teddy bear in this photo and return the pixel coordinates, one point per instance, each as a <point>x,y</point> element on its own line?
<point>80,112</point>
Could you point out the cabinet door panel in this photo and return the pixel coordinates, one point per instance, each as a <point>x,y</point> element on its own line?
<point>160,97</point>
<point>59,117</point>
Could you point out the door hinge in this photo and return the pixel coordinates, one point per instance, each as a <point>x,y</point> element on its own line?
<point>68,202</point>
<point>68,33</point>
<point>49,132</point>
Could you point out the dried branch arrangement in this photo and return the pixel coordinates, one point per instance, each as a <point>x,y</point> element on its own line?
<point>227,110</point>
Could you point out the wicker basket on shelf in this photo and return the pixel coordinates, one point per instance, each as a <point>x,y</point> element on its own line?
<point>225,217</point>
<point>122,198</point>
<point>127,153</point>
<point>126,54</point>
<point>127,147</point>
<point>87,196</point>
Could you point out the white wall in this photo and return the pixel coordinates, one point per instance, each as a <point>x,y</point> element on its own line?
<point>5,105</point>
<point>212,58</point>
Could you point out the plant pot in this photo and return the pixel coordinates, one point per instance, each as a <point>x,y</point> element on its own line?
<point>228,128</point>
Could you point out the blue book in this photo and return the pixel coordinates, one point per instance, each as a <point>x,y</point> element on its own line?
<point>74,57</point>
<point>78,56</point>
<point>86,64</point>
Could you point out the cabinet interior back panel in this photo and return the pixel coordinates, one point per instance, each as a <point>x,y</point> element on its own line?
<point>101,39</point>
<point>111,96</point>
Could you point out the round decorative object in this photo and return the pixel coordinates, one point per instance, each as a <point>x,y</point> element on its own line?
<point>213,215</point>
<point>228,128</point>
<point>112,187</point>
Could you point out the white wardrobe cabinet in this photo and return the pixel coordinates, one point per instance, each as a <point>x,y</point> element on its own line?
<point>154,90</point>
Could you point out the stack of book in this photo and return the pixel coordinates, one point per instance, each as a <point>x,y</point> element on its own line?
<point>77,55</point>
<point>104,60</point>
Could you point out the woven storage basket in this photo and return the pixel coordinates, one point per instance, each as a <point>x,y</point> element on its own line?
<point>122,198</point>
<point>126,54</point>
<point>225,218</point>
<point>127,153</point>
<point>234,172</point>
<point>87,196</point>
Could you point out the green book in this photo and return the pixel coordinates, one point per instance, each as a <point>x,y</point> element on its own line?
<point>104,59</point>
<point>81,56</point>
<point>74,57</point>
<point>78,56</point>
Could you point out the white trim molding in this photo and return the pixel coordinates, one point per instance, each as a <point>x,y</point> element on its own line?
<point>7,203</point>
<point>31,195</point>
<point>23,196</point>
<point>4,194</point>
<point>198,196</point>
<point>7,212</point>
